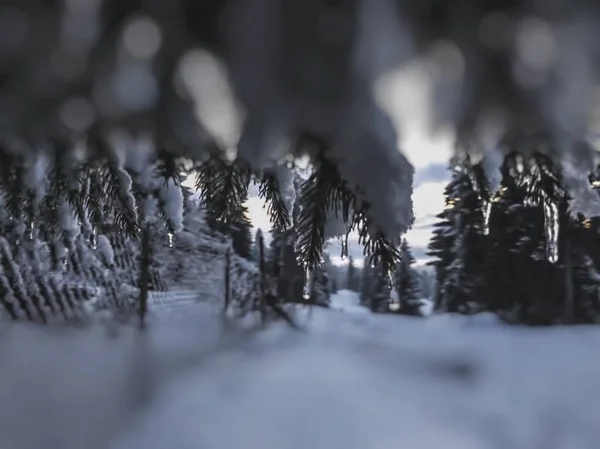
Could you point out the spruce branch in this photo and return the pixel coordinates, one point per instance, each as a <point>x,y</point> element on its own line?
<point>96,200</point>
<point>169,166</point>
<point>223,186</point>
<point>120,200</point>
<point>315,199</point>
<point>326,191</point>
<point>270,191</point>
<point>67,182</point>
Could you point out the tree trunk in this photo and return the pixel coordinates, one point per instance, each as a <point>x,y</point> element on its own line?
<point>146,262</point>
<point>568,282</point>
<point>227,281</point>
<point>262,287</point>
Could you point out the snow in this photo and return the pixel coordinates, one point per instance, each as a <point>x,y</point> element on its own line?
<point>381,177</point>
<point>427,306</point>
<point>73,389</point>
<point>385,382</point>
<point>492,166</point>
<point>172,198</point>
<point>335,227</point>
<point>347,381</point>
<point>38,174</point>
<point>105,250</point>
<point>347,301</point>
<point>120,155</point>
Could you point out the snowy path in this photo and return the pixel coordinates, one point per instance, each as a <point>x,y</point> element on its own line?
<point>349,302</point>
<point>383,382</point>
<point>350,381</point>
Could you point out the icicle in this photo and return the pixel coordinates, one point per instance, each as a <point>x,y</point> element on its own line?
<point>307,284</point>
<point>170,236</point>
<point>551,228</point>
<point>389,275</point>
<point>94,238</point>
<point>487,213</point>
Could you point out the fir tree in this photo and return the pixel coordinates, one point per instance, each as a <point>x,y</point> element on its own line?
<point>333,285</point>
<point>319,291</point>
<point>440,250</point>
<point>378,299</point>
<point>258,237</point>
<point>539,268</point>
<point>407,283</point>
<point>289,275</point>
<point>582,278</point>
<point>239,228</point>
<point>426,282</point>
<point>459,244</point>
<point>522,244</point>
<point>365,284</point>
<point>351,276</point>
<point>332,274</point>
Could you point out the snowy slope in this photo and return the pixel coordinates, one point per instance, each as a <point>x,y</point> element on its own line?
<point>349,381</point>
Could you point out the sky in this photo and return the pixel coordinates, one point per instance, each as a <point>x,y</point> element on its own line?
<point>404,95</point>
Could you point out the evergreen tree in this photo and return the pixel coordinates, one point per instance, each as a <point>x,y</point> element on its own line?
<point>283,264</point>
<point>239,228</point>
<point>333,285</point>
<point>426,278</point>
<point>262,271</point>
<point>189,201</point>
<point>407,283</point>
<point>332,274</point>
<point>524,242</point>
<point>539,269</point>
<point>351,276</point>
<point>459,244</point>
<point>581,276</point>
<point>319,291</point>
<point>365,284</point>
<point>258,237</point>
<point>440,250</point>
<point>378,299</point>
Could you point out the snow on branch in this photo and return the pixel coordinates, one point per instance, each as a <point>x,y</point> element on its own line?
<point>381,176</point>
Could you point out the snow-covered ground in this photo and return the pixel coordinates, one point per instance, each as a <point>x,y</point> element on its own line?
<point>348,381</point>
<point>347,301</point>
